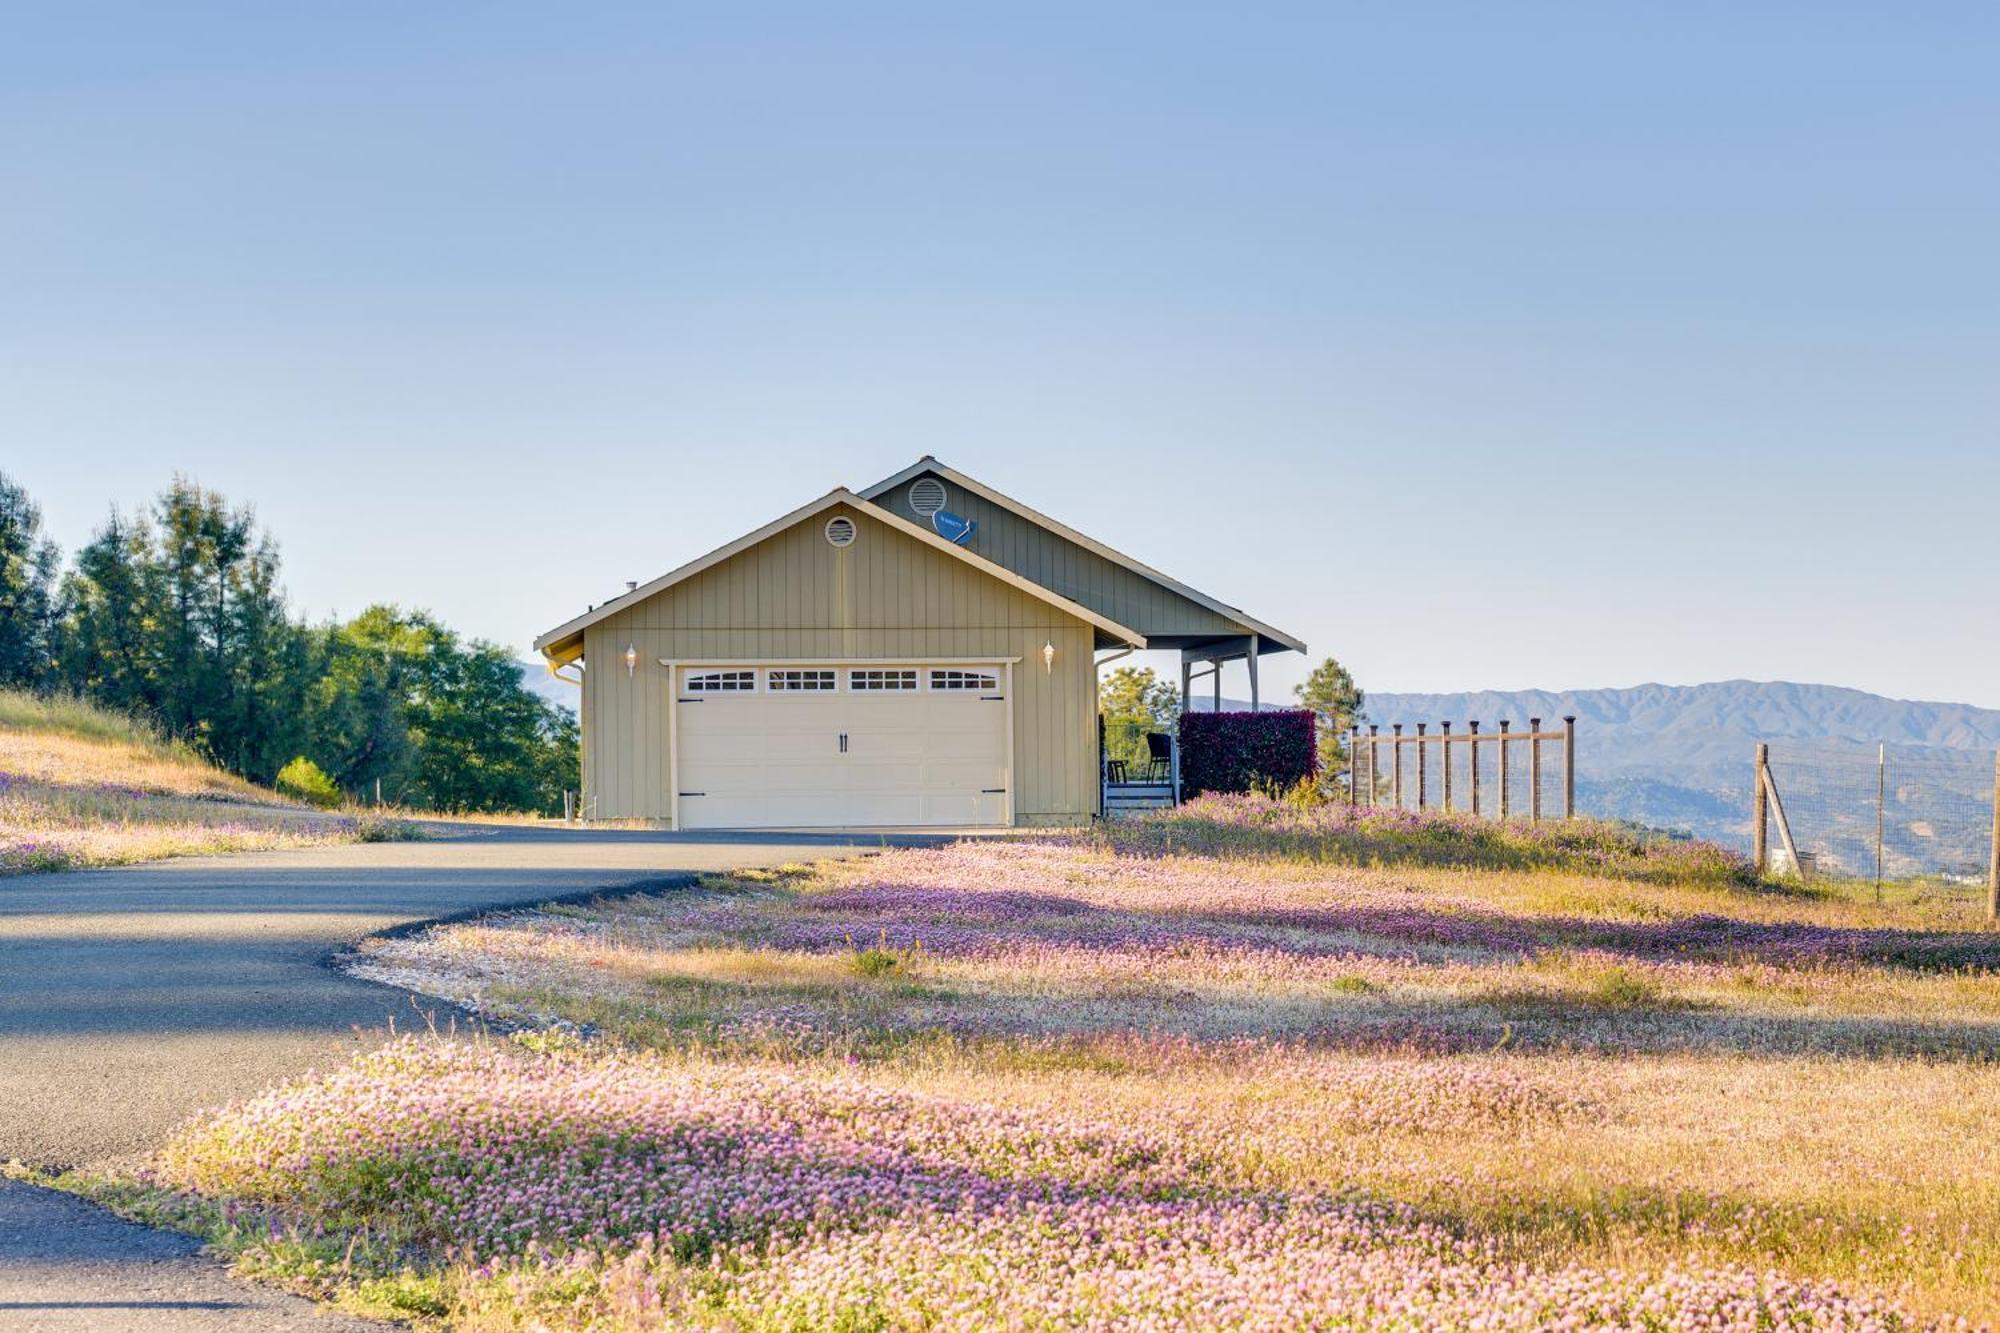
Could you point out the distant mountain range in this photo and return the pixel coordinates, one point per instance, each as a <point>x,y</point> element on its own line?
<point>1710,728</point>
<point>1680,756</point>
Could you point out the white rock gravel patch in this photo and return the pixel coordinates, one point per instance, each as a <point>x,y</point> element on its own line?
<point>429,963</point>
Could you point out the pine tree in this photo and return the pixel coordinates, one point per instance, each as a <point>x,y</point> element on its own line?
<point>1334,698</point>
<point>29,600</point>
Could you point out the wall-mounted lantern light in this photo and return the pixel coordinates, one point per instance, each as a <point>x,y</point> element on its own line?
<point>631,659</point>
<point>1049,655</point>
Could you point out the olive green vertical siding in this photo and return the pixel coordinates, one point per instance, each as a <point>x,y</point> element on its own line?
<point>795,596</point>
<point>1073,571</point>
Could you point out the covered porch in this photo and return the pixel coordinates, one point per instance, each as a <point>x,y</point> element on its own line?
<point>1139,767</point>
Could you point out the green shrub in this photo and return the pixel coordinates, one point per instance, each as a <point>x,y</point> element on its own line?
<point>1622,988</point>
<point>875,962</point>
<point>303,780</point>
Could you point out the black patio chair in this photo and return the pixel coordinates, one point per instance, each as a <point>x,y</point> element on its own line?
<point>1159,756</point>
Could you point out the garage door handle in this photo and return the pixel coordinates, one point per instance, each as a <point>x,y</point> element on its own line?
<point>694,793</point>
<point>993,698</point>
<point>843,742</point>
<point>992,791</point>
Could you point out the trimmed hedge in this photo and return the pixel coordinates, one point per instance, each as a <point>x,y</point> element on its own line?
<point>1232,751</point>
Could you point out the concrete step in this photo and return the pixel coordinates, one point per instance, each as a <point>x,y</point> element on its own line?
<point>1122,803</point>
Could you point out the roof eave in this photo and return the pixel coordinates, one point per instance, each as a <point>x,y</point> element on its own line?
<point>558,640</point>
<point>667,580</point>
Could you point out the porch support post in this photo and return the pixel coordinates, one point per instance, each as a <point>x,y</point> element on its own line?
<point>1252,660</point>
<point>1187,684</point>
<point>1215,684</point>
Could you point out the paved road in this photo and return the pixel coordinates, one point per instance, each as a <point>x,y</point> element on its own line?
<point>67,1266</point>
<point>130,999</point>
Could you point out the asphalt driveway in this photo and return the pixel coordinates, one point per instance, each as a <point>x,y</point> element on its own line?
<point>132,998</point>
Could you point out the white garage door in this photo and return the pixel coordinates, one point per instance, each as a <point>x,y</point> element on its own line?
<point>865,746</point>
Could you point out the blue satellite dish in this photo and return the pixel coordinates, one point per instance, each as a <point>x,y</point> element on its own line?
<point>952,528</point>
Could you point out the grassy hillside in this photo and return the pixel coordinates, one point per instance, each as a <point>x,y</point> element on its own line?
<point>82,786</point>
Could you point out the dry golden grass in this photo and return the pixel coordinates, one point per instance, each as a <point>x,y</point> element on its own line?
<point>54,760</point>
<point>82,786</point>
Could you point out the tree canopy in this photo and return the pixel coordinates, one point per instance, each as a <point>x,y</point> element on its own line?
<point>440,722</point>
<point>28,590</point>
<point>177,613</point>
<point>1136,695</point>
<point>1336,701</point>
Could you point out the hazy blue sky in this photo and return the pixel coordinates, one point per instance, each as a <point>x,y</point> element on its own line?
<point>1483,345</point>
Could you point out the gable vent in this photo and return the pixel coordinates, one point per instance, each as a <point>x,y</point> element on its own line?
<point>926,495</point>
<point>840,531</point>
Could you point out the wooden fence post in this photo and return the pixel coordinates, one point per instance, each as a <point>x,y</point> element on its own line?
<point>1374,749</point>
<point>1784,824</point>
<point>1396,764</point>
<point>1503,770</point>
<point>1881,800</point>
<point>1993,862</point>
<point>1355,763</point>
<point>1569,766</point>
<point>1534,770</point>
<point>1760,826</point>
<point>1444,748</point>
<point>1422,761</point>
<point>1472,765</point>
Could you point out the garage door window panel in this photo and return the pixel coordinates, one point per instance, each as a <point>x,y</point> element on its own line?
<point>873,680</point>
<point>953,680</point>
<point>721,682</point>
<point>803,681</point>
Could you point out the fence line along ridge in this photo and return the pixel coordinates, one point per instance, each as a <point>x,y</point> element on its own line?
<point>1366,785</point>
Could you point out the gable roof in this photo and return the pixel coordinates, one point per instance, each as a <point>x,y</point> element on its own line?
<point>553,644</point>
<point>1095,547</point>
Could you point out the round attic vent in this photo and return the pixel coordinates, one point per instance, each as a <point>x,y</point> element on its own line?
<point>926,495</point>
<point>840,531</point>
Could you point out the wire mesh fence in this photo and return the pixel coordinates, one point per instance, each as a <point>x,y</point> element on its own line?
<point>1888,812</point>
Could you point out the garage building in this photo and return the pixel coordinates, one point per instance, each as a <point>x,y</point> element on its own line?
<point>920,653</point>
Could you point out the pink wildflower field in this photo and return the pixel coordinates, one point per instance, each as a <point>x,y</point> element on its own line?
<point>1097,1081</point>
